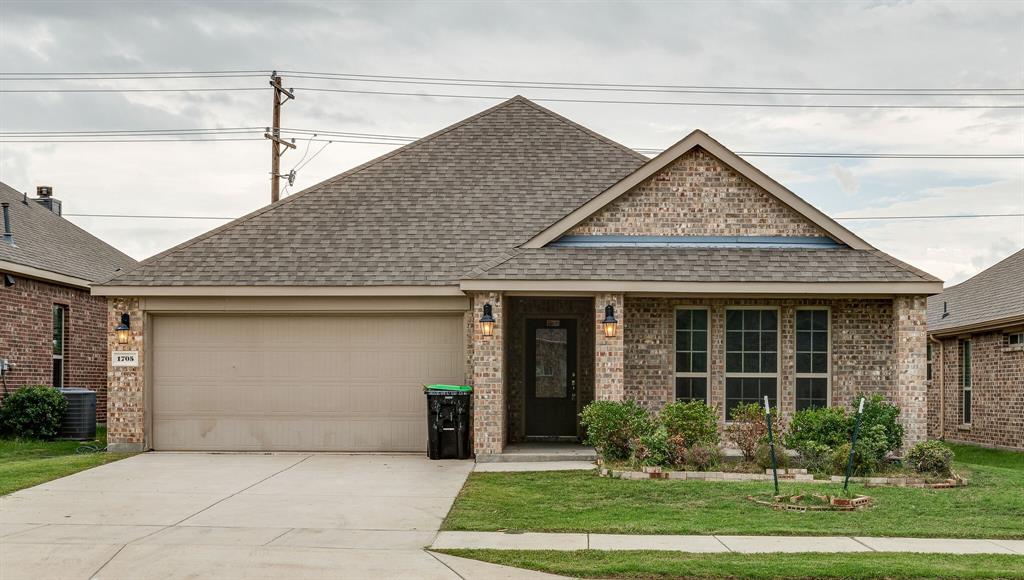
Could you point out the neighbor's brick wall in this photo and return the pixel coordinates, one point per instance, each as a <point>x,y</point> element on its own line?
<point>26,337</point>
<point>863,348</point>
<point>126,407</point>
<point>911,336</point>
<point>697,195</point>
<point>997,415</point>
<point>489,412</point>
<point>609,352</point>
<point>518,311</point>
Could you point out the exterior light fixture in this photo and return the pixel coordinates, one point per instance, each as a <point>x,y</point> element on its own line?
<point>123,329</point>
<point>487,321</point>
<point>609,323</point>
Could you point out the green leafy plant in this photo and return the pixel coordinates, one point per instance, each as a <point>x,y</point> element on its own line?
<point>869,456</point>
<point>651,448</point>
<point>702,457</point>
<point>763,458</point>
<point>612,425</point>
<point>695,422</point>
<point>828,426</point>
<point>879,412</point>
<point>930,457</point>
<point>747,429</point>
<point>815,457</point>
<point>33,412</point>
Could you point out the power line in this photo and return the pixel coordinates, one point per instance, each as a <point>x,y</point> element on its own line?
<point>169,90</point>
<point>850,218</point>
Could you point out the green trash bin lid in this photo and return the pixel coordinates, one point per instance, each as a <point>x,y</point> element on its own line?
<point>453,388</point>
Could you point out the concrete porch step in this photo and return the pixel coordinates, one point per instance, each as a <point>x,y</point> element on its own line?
<point>534,452</point>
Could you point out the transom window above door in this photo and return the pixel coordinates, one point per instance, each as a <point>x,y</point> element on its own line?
<point>751,356</point>
<point>692,354</point>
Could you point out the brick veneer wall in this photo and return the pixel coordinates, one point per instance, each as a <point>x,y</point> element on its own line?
<point>609,352</point>
<point>997,414</point>
<point>26,337</point>
<point>126,405</point>
<point>518,311</point>
<point>489,409</point>
<point>697,195</point>
<point>911,394</point>
<point>862,335</point>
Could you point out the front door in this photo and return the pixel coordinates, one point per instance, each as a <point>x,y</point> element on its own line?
<point>551,378</point>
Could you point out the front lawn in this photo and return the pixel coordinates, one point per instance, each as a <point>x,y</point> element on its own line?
<point>992,506</point>
<point>598,564</point>
<point>24,463</point>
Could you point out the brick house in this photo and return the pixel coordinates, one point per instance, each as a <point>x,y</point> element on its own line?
<point>522,253</point>
<point>976,358</point>
<point>51,328</point>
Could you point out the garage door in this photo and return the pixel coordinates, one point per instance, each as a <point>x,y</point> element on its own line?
<point>299,383</point>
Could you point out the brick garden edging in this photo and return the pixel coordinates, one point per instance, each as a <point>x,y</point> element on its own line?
<point>796,475</point>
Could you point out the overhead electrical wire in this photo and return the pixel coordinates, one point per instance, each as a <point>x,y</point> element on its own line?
<point>864,218</point>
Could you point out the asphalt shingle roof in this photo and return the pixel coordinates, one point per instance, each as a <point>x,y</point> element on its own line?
<point>700,265</point>
<point>46,241</point>
<point>993,294</point>
<point>425,214</point>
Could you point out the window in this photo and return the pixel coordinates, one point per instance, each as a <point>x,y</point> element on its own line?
<point>1015,339</point>
<point>931,358</point>
<point>965,379</point>
<point>812,358</point>
<point>692,355</point>
<point>751,356</point>
<point>59,322</point>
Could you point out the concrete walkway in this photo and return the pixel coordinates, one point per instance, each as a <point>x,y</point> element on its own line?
<point>712,544</point>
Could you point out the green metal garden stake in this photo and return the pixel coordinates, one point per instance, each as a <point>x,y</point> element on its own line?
<point>853,446</point>
<point>771,443</point>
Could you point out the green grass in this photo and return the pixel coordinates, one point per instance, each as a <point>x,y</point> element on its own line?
<point>24,463</point>
<point>638,564</point>
<point>974,455</point>
<point>991,506</point>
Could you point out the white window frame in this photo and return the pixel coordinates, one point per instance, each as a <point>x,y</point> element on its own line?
<point>827,375</point>
<point>725,350</point>
<point>706,375</point>
<point>966,378</point>
<point>1019,335</point>
<point>63,343</point>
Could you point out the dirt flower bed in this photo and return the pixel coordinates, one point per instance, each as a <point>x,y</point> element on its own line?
<point>793,475</point>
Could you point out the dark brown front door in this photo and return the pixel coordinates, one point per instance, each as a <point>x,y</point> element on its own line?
<point>551,378</point>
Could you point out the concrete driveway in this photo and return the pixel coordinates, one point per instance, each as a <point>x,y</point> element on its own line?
<point>185,515</point>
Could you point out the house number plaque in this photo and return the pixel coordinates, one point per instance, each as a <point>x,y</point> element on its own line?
<point>125,358</point>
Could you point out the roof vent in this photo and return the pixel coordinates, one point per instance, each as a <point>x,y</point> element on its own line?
<point>8,235</point>
<point>44,197</point>
<point>945,309</point>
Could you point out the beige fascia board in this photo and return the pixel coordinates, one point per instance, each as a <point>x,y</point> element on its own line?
<point>986,326</point>
<point>302,304</point>
<point>44,275</point>
<point>113,290</point>
<point>755,288</point>
<point>703,140</point>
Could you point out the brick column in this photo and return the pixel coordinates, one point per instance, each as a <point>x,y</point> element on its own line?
<point>911,392</point>
<point>488,377</point>
<point>126,386</point>
<point>609,352</point>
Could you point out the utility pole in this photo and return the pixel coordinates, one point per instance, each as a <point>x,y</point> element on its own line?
<point>281,96</point>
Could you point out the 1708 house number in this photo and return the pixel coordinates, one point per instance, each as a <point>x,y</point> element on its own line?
<point>125,358</point>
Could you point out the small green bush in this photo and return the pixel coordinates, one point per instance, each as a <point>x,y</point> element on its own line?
<point>879,412</point>
<point>611,425</point>
<point>748,428</point>
<point>651,448</point>
<point>816,457</point>
<point>702,457</point>
<point>695,422</point>
<point>869,456</point>
<point>931,457</point>
<point>828,426</point>
<point>34,412</point>
<point>763,457</point>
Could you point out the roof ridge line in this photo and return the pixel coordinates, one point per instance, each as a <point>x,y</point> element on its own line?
<point>260,211</point>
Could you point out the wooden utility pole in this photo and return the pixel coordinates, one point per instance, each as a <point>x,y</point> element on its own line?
<point>281,96</point>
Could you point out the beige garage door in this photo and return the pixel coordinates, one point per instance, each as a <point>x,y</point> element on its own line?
<point>302,383</point>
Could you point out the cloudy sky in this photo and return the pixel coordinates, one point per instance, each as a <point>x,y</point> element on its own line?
<point>910,45</point>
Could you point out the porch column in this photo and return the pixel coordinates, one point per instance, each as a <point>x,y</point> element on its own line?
<point>609,351</point>
<point>126,386</point>
<point>911,394</point>
<point>488,377</point>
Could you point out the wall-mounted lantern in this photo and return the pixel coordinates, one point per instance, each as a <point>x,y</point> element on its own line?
<point>609,323</point>
<point>123,330</point>
<point>487,321</point>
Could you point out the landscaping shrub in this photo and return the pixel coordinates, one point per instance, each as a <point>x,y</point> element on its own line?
<point>869,457</point>
<point>815,457</point>
<point>931,457</point>
<point>677,449</point>
<point>651,448</point>
<point>763,457</point>
<point>695,422</point>
<point>34,412</point>
<point>611,425</point>
<point>827,426</point>
<point>879,412</point>
<point>702,457</point>
<point>747,429</point>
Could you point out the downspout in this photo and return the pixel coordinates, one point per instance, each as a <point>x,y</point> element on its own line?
<point>942,387</point>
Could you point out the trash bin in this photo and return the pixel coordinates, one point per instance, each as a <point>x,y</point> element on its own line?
<point>448,421</point>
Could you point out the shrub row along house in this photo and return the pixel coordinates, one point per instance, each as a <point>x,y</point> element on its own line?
<point>52,331</point>
<point>530,257</point>
<point>976,358</point>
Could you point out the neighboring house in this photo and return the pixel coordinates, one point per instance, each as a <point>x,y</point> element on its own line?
<point>312,323</point>
<point>51,328</point>
<point>976,358</point>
